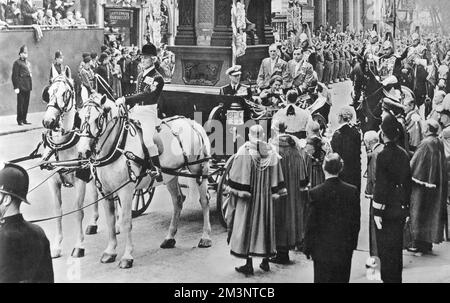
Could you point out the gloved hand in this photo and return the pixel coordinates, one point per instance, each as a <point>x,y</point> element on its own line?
<point>120,101</point>
<point>17,91</point>
<point>378,222</point>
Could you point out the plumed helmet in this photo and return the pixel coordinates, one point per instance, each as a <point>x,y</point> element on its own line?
<point>14,181</point>
<point>149,50</point>
<point>387,44</point>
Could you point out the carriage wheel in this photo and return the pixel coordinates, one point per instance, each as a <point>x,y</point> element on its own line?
<point>223,195</point>
<point>142,199</point>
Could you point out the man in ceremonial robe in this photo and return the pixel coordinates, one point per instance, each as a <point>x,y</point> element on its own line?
<point>429,191</point>
<point>256,183</point>
<point>290,211</point>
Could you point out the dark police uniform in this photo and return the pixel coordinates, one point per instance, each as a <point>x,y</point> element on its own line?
<point>391,203</point>
<point>21,79</point>
<point>24,252</point>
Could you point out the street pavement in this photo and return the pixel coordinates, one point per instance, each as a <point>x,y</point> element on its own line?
<point>185,263</point>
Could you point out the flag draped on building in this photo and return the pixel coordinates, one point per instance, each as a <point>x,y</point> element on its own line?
<point>239,24</point>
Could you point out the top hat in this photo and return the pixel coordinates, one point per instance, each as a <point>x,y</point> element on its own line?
<point>14,181</point>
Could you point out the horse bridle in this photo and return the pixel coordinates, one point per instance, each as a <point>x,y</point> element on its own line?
<point>68,97</point>
<point>100,121</point>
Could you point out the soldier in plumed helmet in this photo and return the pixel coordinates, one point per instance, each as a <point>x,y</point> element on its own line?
<point>150,85</point>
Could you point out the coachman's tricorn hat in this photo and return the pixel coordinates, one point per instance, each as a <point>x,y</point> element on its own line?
<point>149,50</point>
<point>14,181</point>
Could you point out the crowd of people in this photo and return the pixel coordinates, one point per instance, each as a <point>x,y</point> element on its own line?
<point>408,151</point>
<point>54,13</point>
<point>115,71</point>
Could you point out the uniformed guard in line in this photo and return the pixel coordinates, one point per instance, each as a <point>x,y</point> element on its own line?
<point>150,85</point>
<point>388,63</point>
<point>391,201</point>
<point>235,88</point>
<point>24,248</point>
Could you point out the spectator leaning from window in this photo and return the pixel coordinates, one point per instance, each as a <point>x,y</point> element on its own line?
<point>58,20</point>
<point>3,7</point>
<point>79,20</point>
<point>69,20</point>
<point>49,19</point>
<point>40,17</point>
<point>29,12</point>
<point>13,13</point>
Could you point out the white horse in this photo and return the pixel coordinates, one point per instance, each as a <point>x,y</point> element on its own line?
<point>109,137</point>
<point>60,141</point>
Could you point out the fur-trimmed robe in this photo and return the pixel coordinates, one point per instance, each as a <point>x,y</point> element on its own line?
<point>255,183</point>
<point>429,192</point>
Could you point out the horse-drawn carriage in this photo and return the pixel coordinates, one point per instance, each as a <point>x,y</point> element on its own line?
<point>101,138</point>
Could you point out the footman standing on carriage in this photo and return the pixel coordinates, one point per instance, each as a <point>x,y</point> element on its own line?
<point>149,88</point>
<point>301,72</point>
<point>24,247</point>
<point>256,183</point>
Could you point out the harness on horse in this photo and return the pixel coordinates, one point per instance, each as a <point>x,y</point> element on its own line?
<point>187,163</point>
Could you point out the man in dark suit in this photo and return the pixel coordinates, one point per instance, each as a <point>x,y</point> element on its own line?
<point>21,79</point>
<point>150,85</point>
<point>24,248</point>
<point>235,88</point>
<point>391,201</point>
<point>346,142</point>
<point>333,225</point>
<point>125,68</point>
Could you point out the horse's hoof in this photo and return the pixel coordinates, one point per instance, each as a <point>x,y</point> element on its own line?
<point>205,243</point>
<point>78,252</point>
<point>108,258</point>
<point>91,230</point>
<point>168,243</point>
<point>126,263</point>
<point>56,253</point>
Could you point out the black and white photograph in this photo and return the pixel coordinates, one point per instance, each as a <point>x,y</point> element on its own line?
<point>220,142</point>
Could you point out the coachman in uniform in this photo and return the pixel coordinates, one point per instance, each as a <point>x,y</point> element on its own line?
<point>24,248</point>
<point>149,88</point>
<point>391,201</point>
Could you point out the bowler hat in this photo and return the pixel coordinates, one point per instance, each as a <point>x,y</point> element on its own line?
<point>14,181</point>
<point>149,50</point>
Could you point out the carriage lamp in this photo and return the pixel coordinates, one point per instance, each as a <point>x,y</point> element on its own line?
<point>235,118</point>
<point>235,115</point>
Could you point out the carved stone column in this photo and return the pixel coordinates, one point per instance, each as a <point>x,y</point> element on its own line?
<point>268,31</point>
<point>186,29</point>
<point>205,22</point>
<point>222,33</point>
